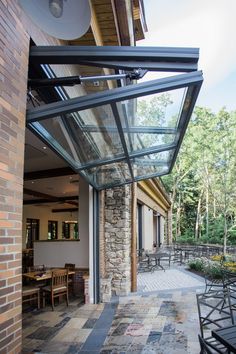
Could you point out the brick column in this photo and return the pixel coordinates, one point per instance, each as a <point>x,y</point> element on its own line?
<point>13,85</point>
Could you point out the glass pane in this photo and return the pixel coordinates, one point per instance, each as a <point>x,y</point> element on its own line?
<point>139,141</point>
<point>111,174</point>
<point>158,110</point>
<point>87,136</point>
<point>152,164</point>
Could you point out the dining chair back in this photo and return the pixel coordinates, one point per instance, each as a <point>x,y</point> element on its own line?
<point>30,293</point>
<point>37,268</point>
<point>205,349</point>
<point>58,287</point>
<point>214,310</point>
<point>70,266</point>
<point>229,282</point>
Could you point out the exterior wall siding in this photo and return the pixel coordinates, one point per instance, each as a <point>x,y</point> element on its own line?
<point>14,47</point>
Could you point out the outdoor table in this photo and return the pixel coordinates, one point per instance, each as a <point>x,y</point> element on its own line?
<point>157,258</point>
<point>43,275</point>
<point>227,336</point>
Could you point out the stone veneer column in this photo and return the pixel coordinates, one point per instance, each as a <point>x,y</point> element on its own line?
<point>117,211</point>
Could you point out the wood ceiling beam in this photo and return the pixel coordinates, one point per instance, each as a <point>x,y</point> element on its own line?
<point>64,210</point>
<point>60,199</point>
<point>56,172</point>
<point>49,198</point>
<point>99,41</point>
<point>40,195</point>
<point>123,13</point>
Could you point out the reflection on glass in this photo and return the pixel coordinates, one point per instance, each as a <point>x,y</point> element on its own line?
<point>158,110</point>
<point>151,164</point>
<point>141,141</point>
<point>52,230</point>
<point>114,173</point>
<point>88,135</point>
<point>70,230</point>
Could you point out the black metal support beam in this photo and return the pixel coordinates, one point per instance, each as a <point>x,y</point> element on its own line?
<point>82,54</point>
<point>119,94</point>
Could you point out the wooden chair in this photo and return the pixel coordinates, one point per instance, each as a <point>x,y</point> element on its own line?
<point>37,268</point>
<point>70,266</point>
<point>58,287</point>
<point>214,310</point>
<point>30,293</point>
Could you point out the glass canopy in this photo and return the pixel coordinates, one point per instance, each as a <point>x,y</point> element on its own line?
<point>121,135</point>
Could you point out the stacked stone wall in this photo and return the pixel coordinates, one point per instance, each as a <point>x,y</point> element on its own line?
<point>117,214</point>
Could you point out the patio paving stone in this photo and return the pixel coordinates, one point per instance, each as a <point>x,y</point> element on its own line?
<point>160,321</point>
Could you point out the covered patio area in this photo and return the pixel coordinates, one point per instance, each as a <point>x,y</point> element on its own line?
<point>153,320</point>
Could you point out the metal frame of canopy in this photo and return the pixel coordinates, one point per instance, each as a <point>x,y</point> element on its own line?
<point>69,109</point>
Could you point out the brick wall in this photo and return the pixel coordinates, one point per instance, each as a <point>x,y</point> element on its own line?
<point>13,83</point>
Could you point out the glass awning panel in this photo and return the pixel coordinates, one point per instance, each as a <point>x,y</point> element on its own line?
<point>120,141</point>
<point>121,135</point>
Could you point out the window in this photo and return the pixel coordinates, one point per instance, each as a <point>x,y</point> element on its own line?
<point>65,230</point>
<point>52,230</point>
<point>32,232</point>
<point>70,230</point>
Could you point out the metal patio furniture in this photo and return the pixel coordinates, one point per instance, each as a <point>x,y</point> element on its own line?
<point>212,283</point>
<point>214,310</point>
<point>226,336</point>
<point>205,349</point>
<point>143,261</point>
<point>229,282</point>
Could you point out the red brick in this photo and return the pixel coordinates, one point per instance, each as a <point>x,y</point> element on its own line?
<point>6,307</point>
<point>6,291</point>
<point>6,341</point>
<point>6,324</point>
<point>6,240</point>
<point>14,264</point>
<point>14,280</point>
<point>6,257</point>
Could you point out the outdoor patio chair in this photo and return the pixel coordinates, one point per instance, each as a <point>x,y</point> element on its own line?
<point>214,310</point>
<point>143,261</point>
<point>58,287</point>
<point>212,283</point>
<point>229,282</point>
<point>205,349</point>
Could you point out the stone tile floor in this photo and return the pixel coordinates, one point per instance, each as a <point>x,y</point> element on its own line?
<point>163,321</point>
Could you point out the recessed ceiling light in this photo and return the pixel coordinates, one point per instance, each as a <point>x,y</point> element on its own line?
<point>32,182</point>
<point>44,147</point>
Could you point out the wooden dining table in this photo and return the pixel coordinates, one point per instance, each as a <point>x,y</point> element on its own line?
<point>227,336</point>
<point>43,275</point>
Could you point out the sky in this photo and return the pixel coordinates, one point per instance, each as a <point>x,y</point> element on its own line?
<point>206,24</point>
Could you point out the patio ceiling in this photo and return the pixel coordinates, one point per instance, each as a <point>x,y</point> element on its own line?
<point>102,135</point>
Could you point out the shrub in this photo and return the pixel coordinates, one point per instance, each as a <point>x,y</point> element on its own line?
<point>206,266</point>
<point>214,269</point>
<point>196,264</point>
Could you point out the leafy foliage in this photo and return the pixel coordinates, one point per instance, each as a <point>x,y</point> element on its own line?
<point>203,184</point>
